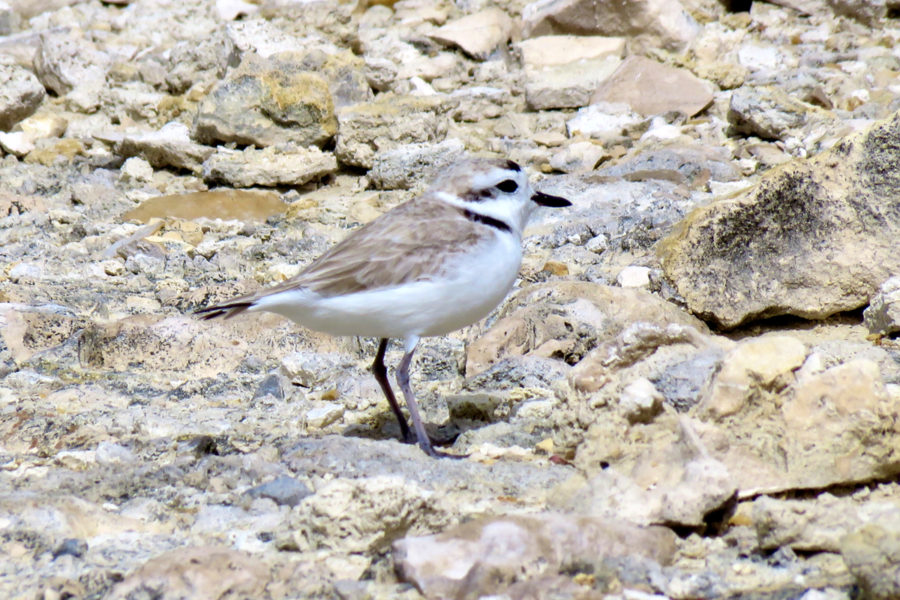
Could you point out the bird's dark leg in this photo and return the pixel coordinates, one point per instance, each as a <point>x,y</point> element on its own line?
<point>380,372</point>
<point>403,380</point>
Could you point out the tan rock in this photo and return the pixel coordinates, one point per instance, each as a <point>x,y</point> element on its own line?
<point>872,553</point>
<point>483,557</point>
<point>647,23</point>
<point>552,50</point>
<point>243,205</point>
<point>784,247</point>
<point>267,101</point>
<point>197,572</point>
<point>651,88</point>
<point>750,371</point>
<point>567,319</point>
<point>479,34</point>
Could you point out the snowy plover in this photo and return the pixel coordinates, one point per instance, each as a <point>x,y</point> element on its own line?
<point>430,266</point>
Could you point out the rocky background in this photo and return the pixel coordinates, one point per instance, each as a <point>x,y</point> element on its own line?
<point>692,392</point>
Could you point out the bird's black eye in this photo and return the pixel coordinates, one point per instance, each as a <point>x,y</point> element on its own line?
<point>508,186</point>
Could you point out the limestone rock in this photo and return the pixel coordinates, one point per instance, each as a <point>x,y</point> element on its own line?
<point>542,320</point>
<point>578,157</point>
<point>814,525</point>
<point>386,124</point>
<point>649,23</point>
<point>484,557</point>
<point>272,166</point>
<point>20,95</point>
<point>170,146</point>
<point>414,165</point>
<point>872,553</point>
<point>358,515</point>
<point>196,572</point>
<point>604,121</point>
<point>767,112</point>
<point>783,248</point>
<point>883,314</point>
<point>651,88</point>
<point>553,50</point>
<point>752,370</point>
<point>65,60</point>
<point>479,34</point>
<point>267,101</point>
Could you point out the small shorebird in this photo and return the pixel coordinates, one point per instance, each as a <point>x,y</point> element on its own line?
<point>432,265</point>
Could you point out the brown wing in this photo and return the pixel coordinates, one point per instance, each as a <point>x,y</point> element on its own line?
<point>409,243</point>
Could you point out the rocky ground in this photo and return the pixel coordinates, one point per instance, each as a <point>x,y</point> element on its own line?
<point>692,392</point>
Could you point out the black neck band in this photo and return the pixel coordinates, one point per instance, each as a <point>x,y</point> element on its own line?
<point>486,220</point>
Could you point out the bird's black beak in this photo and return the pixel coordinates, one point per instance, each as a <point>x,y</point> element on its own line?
<point>548,200</point>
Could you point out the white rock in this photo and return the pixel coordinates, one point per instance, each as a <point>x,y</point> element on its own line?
<point>603,121</point>
<point>553,50</point>
<point>322,416</point>
<point>641,401</point>
<point>136,169</point>
<point>634,277</point>
<point>16,142</point>
<point>578,157</point>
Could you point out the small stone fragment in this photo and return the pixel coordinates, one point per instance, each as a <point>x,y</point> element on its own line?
<point>284,491</point>
<point>170,146</point>
<point>641,401</point>
<point>479,34</point>
<point>766,112</point>
<point>634,277</point>
<point>882,317</point>
<point>323,416</point>
<point>20,95</point>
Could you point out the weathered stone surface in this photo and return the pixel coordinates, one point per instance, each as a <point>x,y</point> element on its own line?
<point>766,112</point>
<point>272,166</point>
<point>651,88</point>
<point>814,525</point>
<point>883,314</point>
<point>66,60</point>
<point>569,85</point>
<point>171,146</point>
<point>196,572</point>
<point>265,102</point>
<point>550,50</point>
<point>649,23</point>
<point>360,514</point>
<point>872,553</point>
<point>386,124</point>
<point>20,95</point>
<point>752,372</point>
<point>782,248</point>
<point>478,34</point>
<point>486,556</point>
<point>414,165</point>
<point>540,321</point>
<point>244,205</point>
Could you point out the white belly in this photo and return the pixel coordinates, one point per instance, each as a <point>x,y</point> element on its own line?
<point>423,308</point>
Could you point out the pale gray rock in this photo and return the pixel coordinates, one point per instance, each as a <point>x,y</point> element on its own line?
<point>192,63</point>
<point>783,247</point>
<point>267,101</point>
<point>484,557</point>
<point>388,123</point>
<point>767,112</point>
<point>872,553</point>
<point>269,167</point>
<point>170,146</point>
<point>66,60</point>
<point>578,156</point>
<point>478,34</point>
<point>649,23</point>
<point>284,490</point>
<point>651,88</point>
<point>20,95</point>
<point>551,50</point>
<point>882,317</point>
<point>414,165</point>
